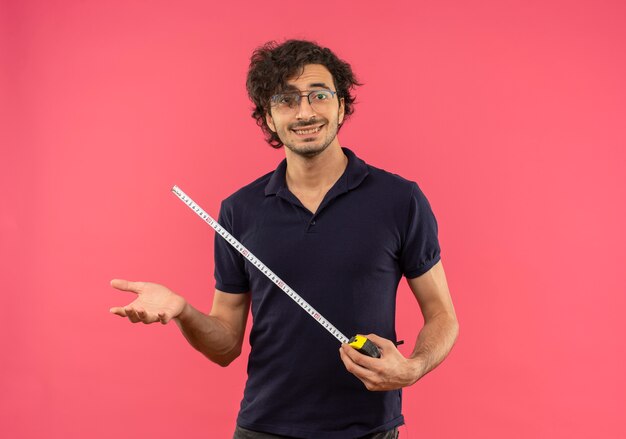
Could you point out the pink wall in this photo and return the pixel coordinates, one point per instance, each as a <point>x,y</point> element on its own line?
<point>511,116</point>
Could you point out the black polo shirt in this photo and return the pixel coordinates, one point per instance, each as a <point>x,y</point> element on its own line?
<point>346,260</point>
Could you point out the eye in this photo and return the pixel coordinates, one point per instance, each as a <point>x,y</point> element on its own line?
<point>320,95</point>
<point>288,99</point>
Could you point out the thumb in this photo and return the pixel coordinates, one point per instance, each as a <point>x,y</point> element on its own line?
<point>125,285</point>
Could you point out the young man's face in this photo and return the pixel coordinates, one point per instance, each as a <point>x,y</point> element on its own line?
<point>306,128</point>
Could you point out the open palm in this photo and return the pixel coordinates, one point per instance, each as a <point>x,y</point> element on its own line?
<point>154,302</point>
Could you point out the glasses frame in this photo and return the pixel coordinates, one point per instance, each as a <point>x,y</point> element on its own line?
<point>300,96</point>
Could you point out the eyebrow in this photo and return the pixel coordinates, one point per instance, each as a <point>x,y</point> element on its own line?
<point>290,87</point>
<point>319,84</point>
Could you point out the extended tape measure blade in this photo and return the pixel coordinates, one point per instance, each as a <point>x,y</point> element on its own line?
<point>259,265</point>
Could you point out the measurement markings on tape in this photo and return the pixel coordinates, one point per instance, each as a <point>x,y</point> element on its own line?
<point>262,267</point>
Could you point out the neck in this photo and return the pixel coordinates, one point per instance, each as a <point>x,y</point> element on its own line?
<point>315,173</point>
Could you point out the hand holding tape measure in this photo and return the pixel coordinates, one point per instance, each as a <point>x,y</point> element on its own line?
<point>359,342</point>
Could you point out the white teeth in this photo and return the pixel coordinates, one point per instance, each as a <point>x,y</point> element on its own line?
<point>311,131</point>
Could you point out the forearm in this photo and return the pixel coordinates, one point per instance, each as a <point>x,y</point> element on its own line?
<point>209,335</point>
<point>434,343</point>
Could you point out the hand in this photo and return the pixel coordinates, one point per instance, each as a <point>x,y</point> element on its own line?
<point>154,302</point>
<point>390,371</point>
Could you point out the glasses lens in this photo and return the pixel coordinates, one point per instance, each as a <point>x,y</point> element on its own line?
<point>320,96</point>
<point>286,101</point>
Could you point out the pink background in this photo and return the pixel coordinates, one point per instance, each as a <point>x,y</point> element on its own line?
<point>510,115</point>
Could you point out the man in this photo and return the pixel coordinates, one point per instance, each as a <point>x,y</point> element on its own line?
<point>342,234</point>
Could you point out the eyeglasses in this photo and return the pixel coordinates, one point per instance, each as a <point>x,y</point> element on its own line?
<point>289,102</point>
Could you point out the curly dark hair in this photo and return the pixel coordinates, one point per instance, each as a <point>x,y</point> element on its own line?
<point>272,64</point>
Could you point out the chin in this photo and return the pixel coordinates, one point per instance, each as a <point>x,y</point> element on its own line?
<point>306,150</point>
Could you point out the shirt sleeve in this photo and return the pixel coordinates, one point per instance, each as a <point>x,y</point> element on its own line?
<point>420,248</point>
<point>230,271</point>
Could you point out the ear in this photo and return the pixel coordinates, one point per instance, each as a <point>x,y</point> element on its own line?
<point>270,121</point>
<point>342,111</point>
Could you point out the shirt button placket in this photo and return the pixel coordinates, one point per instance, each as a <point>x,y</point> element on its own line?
<point>311,226</point>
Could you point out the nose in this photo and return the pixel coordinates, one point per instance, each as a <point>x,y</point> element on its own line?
<point>305,110</point>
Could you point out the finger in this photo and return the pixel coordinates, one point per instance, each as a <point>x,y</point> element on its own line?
<point>142,316</point>
<point>118,310</point>
<point>354,368</point>
<point>163,318</point>
<point>125,285</point>
<point>372,380</point>
<point>361,358</point>
<point>131,314</point>
<point>358,358</point>
<point>350,364</point>
<point>146,317</point>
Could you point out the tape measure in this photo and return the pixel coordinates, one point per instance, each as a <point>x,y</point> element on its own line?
<point>359,342</point>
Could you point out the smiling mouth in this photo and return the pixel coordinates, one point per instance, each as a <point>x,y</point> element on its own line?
<point>314,130</point>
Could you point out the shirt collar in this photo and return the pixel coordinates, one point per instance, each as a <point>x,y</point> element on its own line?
<point>353,176</point>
